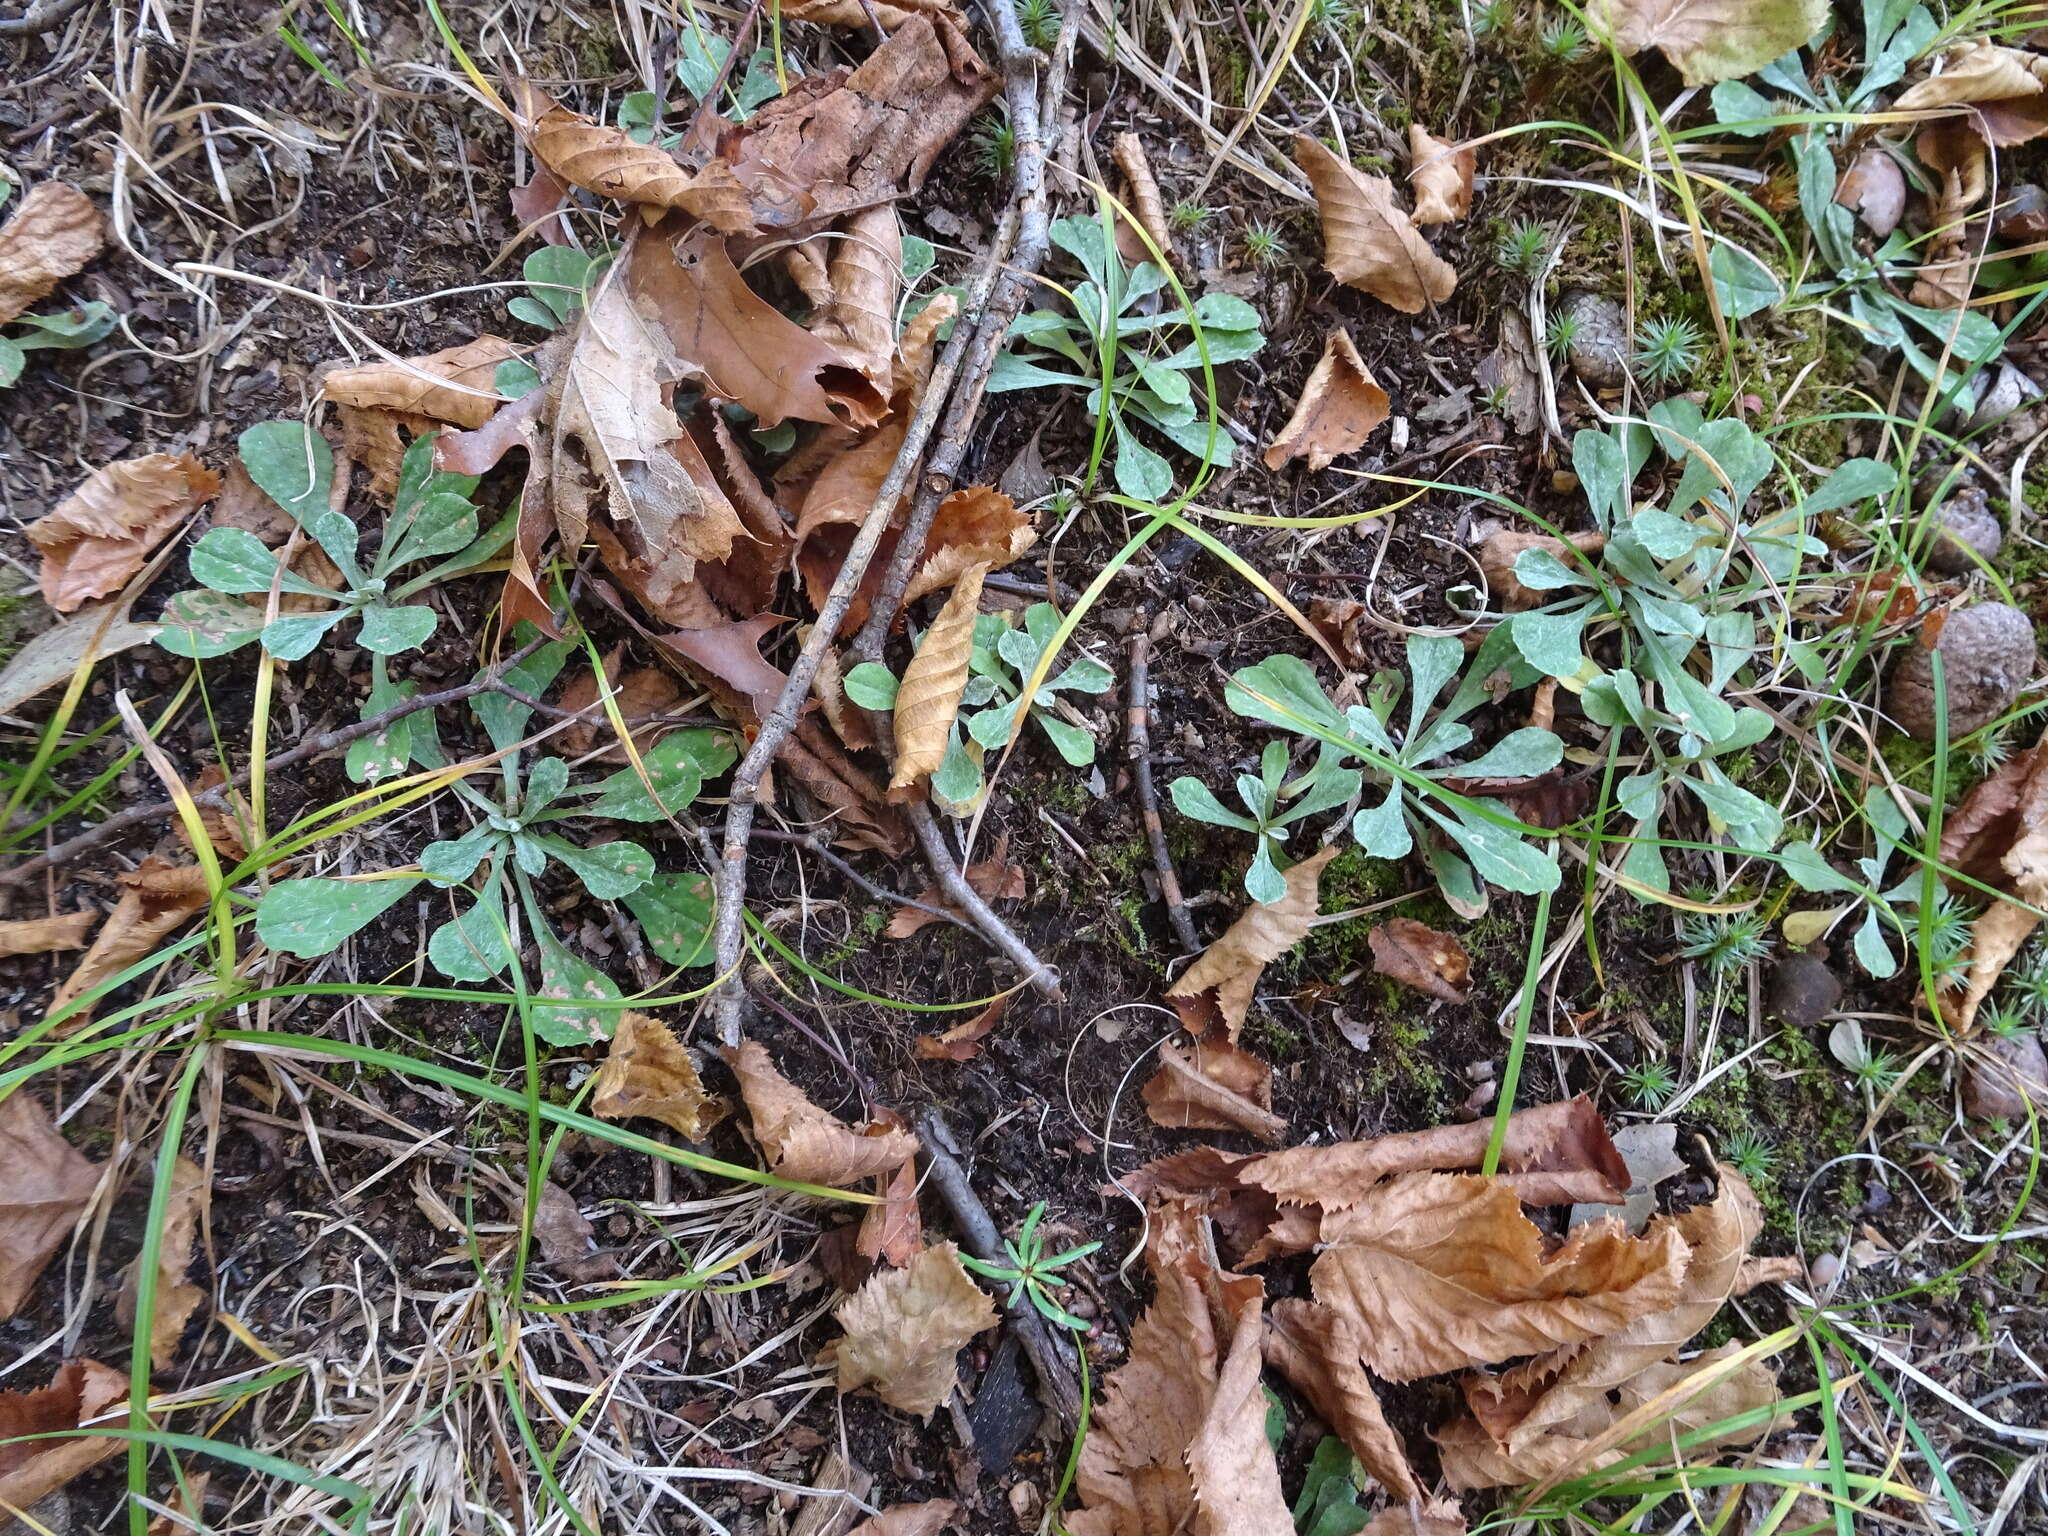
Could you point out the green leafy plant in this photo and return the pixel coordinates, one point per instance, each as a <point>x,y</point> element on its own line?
<point>1328,1504</point>
<point>1039,21</point>
<point>700,55</point>
<point>1264,246</point>
<point>1523,247</point>
<point>557,278</point>
<point>1667,351</point>
<point>1146,358</point>
<point>1492,18</point>
<point>1887,911</point>
<point>66,331</point>
<point>1031,1273</point>
<point>1649,1084</point>
<point>1466,844</point>
<point>1000,659</point>
<point>492,869</point>
<point>1750,1155</point>
<point>1272,803</point>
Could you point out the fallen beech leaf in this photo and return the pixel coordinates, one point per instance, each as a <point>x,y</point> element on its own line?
<point>1230,968</point>
<point>99,536</point>
<point>647,1074</point>
<point>41,935</point>
<point>1417,956</point>
<point>1213,1086</point>
<point>929,695</point>
<point>176,1297</point>
<point>537,205</point>
<point>1875,188</point>
<point>639,696</point>
<point>1368,242</point>
<point>865,278</point>
<point>1340,406</point>
<point>1128,151</point>
<point>805,1144</point>
<point>455,386</point>
<point>976,525</point>
<point>963,1041</point>
<point>1977,72</point>
<point>905,1326</point>
<point>48,1185</point>
<point>745,581</point>
<point>1435,1272</point>
<point>97,631</point>
<point>1960,163</point>
<point>1548,1393</point>
<point>81,1392</point>
<point>54,232</point>
<point>926,1519</point>
<point>1499,552</point>
<point>994,878</point>
<point>1708,41</point>
<point>1231,1466</point>
<point>608,161</point>
<point>1442,177</point>
<point>892,1230</point>
<point>1315,1349</point>
<point>156,898</point>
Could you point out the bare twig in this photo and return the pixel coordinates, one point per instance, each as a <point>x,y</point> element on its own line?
<point>43,16</point>
<point>811,842</point>
<point>980,1236</point>
<point>1043,978</point>
<point>1138,747</point>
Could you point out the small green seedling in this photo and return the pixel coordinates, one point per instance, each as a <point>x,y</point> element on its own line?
<point>1726,943</point>
<point>1523,248</point>
<point>492,869</point>
<point>1649,1084</point>
<point>1272,804</point>
<point>1031,1274</point>
<point>557,278</point>
<point>1151,361</point>
<point>1667,352</point>
<point>1750,1155</point>
<point>66,331</point>
<point>1328,1505</point>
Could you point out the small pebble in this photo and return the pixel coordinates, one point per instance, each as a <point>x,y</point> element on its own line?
<point>1803,990</point>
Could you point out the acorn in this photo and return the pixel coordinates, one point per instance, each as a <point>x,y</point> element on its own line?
<point>1966,527</point>
<point>1988,654</point>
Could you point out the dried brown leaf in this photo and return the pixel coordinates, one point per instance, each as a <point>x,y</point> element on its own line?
<point>1340,406</point>
<point>97,631</point>
<point>608,161</point>
<point>176,1297</point>
<point>1368,242</point>
<point>1499,552</point>
<point>1417,956</point>
<point>805,1144</point>
<point>1435,1272</point>
<point>727,657</point>
<point>1999,835</point>
<point>55,232</point>
<point>1441,177</point>
<point>80,1393</point>
<point>1315,1349</point>
<point>1513,371</point>
<point>647,1074</point>
<point>893,1229</point>
<point>42,935</point>
<point>156,899</point>
<point>963,1041</point>
<point>1708,41</point>
<point>1213,1086</point>
<point>100,535</point>
<point>48,1186</point>
<point>905,1326</point>
<point>976,525</point>
<point>1439,1517</point>
<point>1128,150</point>
<point>1230,968</point>
<point>1231,1466</point>
<point>640,695</point>
<point>1976,72</point>
<point>929,695</point>
<point>866,276</point>
<point>1875,188</point>
<point>926,1519</point>
<point>455,386</point>
<point>564,1234</point>
<point>994,878</point>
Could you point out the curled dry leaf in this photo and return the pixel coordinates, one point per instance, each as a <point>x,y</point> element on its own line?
<point>82,1392</point>
<point>454,386</point>
<point>1231,1466</point>
<point>1315,1349</point>
<point>1999,835</point>
<point>865,278</point>
<point>609,162</point>
<point>929,696</point>
<point>1513,370</point>
<point>1708,41</point>
<point>963,1041</point>
<point>1216,991</point>
<point>1959,161</point>
<point>1128,151</point>
<point>1499,552</point>
<point>2006,1074</point>
<point>42,935</point>
<point>48,1184</point>
<point>805,1144</point>
<point>1368,242</point>
<point>55,232</point>
<point>905,1326</point>
<point>100,535</point>
<point>648,1075</point>
<point>156,899</point>
<point>1436,1272</point>
<point>176,1297</point>
<point>565,1236</point>
<point>1977,72</point>
<point>1437,1517</point>
<point>975,525</point>
<point>1417,956</point>
<point>1875,188</point>
<point>1340,406</point>
<point>892,1229</point>
<point>1442,177</point>
<point>1213,1086</point>
<point>926,1519</point>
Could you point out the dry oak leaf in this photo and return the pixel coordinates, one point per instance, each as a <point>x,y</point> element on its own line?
<point>925,1519</point>
<point>176,1297</point>
<point>80,1393</point>
<point>905,1326</point>
<point>1708,41</point>
<point>1368,242</point>
<point>41,935</point>
<point>1230,968</point>
<point>1340,406</point>
<point>1417,956</point>
<point>49,1183</point>
<point>455,386</point>
<point>1548,1393</point>
<point>648,1075</point>
<point>100,535</point>
<point>1442,177</point>
<point>1436,1272</point>
<point>156,899</point>
<point>1213,1086</point>
<point>55,232</point>
<point>929,696</point>
<point>963,1041</point>
<point>1315,1349</point>
<point>608,161</point>
<point>805,1144</point>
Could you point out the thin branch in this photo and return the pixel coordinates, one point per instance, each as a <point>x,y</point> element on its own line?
<point>812,843</point>
<point>956,889</point>
<point>1138,748</point>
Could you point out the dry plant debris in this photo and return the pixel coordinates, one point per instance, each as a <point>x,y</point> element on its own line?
<point>1442,177</point>
<point>1417,956</point>
<point>55,232</point>
<point>48,1187</point>
<point>648,1075</point>
<point>1215,993</point>
<point>1368,241</point>
<point>42,935</point>
<point>80,1393</point>
<point>1711,40</point>
<point>156,899</point>
<point>803,1142</point>
<point>904,1327</point>
<point>176,1297</point>
<point>929,697</point>
<point>102,533</point>
<point>1340,407</point>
